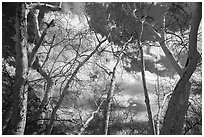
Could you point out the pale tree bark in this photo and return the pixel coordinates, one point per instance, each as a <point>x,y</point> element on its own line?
<point>159,113</point>
<point>109,99</point>
<point>66,88</point>
<point>31,56</point>
<point>90,118</point>
<point>177,107</point>
<point>111,88</point>
<point>16,125</point>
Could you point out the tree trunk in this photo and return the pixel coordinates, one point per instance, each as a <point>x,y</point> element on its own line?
<point>109,100</point>
<point>176,66</point>
<point>177,107</point>
<point>48,92</point>
<point>17,122</point>
<point>147,102</point>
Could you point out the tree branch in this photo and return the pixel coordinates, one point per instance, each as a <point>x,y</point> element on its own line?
<point>35,49</point>
<point>90,118</point>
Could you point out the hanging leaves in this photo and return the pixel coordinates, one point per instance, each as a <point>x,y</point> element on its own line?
<point>178,17</point>
<point>123,20</point>
<point>98,17</point>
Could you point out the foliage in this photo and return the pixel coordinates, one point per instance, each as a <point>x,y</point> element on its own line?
<point>33,126</point>
<point>8,29</point>
<point>65,46</point>
<point>121,21</point>
<point>197,87</point>
<point>179,16</point>
<point>7,85</point>
<point>193,122</point>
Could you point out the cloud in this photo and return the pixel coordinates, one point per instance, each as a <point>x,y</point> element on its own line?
<point>134,88</point>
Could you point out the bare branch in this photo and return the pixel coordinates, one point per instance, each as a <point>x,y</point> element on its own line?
<point>35,49</point>
<point>90,118</point>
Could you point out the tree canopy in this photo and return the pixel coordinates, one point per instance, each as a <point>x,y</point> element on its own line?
<point>101,68</point>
